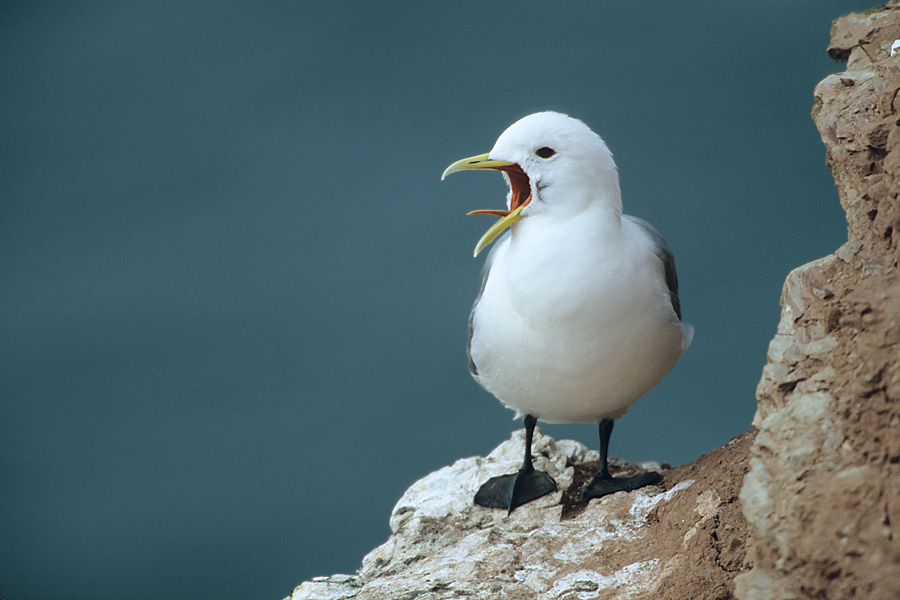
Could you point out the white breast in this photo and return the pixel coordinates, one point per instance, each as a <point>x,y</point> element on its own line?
<point>575,321</point>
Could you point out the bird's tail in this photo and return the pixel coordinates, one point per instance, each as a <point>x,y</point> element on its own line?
<point>688,336</point>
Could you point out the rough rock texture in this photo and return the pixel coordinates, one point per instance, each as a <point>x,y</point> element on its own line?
<point>682,539</point>
<point>823,491</point>
<point>822,495</point>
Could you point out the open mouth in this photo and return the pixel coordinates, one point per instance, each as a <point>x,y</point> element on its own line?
<point>519,197</point>
<point>521,191</point>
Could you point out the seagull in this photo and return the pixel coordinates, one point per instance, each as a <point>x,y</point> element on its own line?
<point>577,315</point>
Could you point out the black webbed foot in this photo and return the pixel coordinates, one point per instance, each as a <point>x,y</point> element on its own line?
<point>604,484</point>
<point>514,490</point>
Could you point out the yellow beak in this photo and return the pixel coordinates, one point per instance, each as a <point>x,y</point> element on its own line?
<point>508,217</point>
<point>497,228</point>
<point>474,163</point>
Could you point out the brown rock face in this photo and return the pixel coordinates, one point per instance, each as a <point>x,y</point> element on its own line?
<point>823,491</point>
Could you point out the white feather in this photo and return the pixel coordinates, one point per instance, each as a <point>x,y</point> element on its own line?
<point>575,321</point>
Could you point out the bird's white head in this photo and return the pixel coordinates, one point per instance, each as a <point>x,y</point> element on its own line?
<point>554,164</point>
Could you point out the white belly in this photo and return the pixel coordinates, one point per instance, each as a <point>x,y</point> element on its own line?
<point>573,338</point>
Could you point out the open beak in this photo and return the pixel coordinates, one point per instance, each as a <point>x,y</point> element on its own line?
<point>519,199</point>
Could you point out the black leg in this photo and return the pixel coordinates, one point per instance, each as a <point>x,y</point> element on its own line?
<point>603,483</point>
<point>511,491</point>
<point>530,422</point>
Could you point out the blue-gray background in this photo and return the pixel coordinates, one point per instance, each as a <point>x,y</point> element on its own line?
<point>234,289</point>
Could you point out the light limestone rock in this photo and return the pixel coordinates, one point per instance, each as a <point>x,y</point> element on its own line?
<point>622,546</point>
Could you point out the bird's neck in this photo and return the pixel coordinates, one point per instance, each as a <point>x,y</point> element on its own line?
<point>606,199</point>
<point>594,194</point>
<point>596,208</point>
<point>597,225</point>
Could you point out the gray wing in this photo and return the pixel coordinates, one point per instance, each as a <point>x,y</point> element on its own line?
<point>485,273</point>
<point>662,250</point>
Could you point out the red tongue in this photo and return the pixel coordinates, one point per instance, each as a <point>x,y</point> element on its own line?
<point>521,186</point>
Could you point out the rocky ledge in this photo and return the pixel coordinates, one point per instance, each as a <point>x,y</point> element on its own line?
<point>808,507</point>
<point>683,535</point>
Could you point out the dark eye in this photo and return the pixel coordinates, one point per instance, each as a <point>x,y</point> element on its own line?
<point>545,152</point>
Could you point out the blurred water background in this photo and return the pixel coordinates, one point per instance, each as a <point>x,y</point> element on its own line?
<point>234,290</point>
